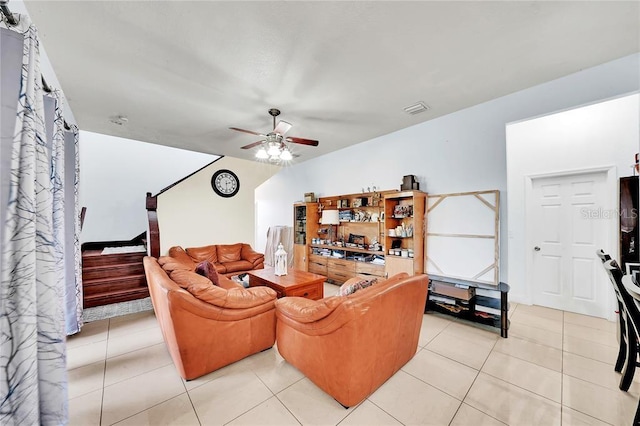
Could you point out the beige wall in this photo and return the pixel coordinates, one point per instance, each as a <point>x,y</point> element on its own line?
<point>190,214</point>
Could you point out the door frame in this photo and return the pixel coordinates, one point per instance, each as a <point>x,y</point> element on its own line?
<point>611,241</point>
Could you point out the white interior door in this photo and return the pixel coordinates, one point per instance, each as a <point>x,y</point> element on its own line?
<point>569,220</point>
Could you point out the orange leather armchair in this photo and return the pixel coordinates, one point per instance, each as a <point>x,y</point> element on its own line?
<point>350,345</point>
<point>206,327</point>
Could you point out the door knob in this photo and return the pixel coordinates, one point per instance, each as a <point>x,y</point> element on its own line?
<point>536,248</point>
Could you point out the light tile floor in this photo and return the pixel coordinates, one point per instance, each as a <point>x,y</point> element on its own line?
<point>555,368</point>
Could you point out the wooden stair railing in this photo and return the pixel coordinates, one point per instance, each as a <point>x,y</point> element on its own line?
<point>154,228</point>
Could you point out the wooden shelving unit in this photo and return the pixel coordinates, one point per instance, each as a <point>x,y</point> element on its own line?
<point>305,219</point>
<point>365,219</point>
<point>404,225</point>
<point>361,218</point>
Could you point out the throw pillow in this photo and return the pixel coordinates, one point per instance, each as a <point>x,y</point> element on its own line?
<point>206,269</point>
<point>355,284</point>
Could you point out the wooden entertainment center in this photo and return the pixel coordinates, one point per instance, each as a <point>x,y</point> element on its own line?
<point>463,257</point>
<point>378,234</point>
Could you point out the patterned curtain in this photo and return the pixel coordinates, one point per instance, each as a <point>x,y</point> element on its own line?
<point>37,287</point>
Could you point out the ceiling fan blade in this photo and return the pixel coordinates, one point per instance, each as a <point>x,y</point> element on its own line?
<point>282,127</point>
<point>251,132</point>
<point>251,145</point>
<point>302,141</point>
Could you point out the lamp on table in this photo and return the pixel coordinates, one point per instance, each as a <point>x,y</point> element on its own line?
<point>330,217</point>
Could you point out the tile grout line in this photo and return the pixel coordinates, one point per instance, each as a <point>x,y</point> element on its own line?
<point>259,403</point>
<point>382,409</point>
<point>104,372</point>
<point>472,383</point>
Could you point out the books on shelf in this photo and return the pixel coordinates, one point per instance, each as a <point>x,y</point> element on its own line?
<point>488,310</point>
<point>442,300</point>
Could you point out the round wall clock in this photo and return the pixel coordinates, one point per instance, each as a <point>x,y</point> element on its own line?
<point>225,183</point>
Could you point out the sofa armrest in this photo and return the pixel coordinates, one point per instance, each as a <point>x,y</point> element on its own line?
<point>251,255</point>
<point>306,310</point>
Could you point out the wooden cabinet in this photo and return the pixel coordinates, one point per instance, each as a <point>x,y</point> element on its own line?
<point>359,245</point>
<point>300,258</point>
<point>404,228</point>
<point>305,219</point>
<point>318,264</point>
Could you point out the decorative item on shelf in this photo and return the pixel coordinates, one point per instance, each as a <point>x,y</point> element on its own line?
<point>281,261</point>
<point>374,217</point>
<point>330,217</point>
<point>343,203</point>
<point>402,210</point>
<point>309,197</point>
<point>361,216</point>
<point>409,182</point>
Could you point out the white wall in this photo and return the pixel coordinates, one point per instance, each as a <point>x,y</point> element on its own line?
<point>463,151</point>
<point>190,214</point>
<point>116,174</point>
<point>603,134</point>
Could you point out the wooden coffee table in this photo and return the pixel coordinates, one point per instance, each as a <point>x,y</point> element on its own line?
<point>295,283</point>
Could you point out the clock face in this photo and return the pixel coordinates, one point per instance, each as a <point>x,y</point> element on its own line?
<point>225,183</point>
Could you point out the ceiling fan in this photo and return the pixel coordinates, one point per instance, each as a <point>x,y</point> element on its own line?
<point>273,145</point>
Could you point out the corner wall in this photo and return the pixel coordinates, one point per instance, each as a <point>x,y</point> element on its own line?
<point>115,176</point>
<point>190,214</point>
<point>463,151</point>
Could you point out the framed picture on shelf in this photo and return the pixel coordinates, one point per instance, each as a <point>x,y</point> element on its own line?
<point>633,269</point>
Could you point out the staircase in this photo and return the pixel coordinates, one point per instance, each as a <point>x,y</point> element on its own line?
<point>112,278</point>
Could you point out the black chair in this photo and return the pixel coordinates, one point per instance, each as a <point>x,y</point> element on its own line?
<point>629,325</point>
<point>622,317</point>
<point>629,315</point>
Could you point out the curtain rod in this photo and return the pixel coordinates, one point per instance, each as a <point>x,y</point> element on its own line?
<point>11,20</point>
<point>4,8</point>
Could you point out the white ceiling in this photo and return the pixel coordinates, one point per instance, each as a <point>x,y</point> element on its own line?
<point>341,72</point>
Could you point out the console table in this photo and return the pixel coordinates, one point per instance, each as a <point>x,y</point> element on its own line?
<point>481,303</point>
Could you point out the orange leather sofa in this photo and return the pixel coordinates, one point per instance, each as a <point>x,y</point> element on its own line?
<point>204,326</point>
<point>228,259</point>
<point>350,345</point>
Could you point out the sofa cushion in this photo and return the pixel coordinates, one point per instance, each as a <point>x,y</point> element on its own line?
<point>186,279</point>
<point>354,284</point>
<point>220,268</point>
<point>181,256</point>
<point>206,269</point>
<point>238,265</point>
<point>234,298</point>
<point>169,264</point>
<point>247,253</point>
<point>208,253</point>
<point>229,253</point>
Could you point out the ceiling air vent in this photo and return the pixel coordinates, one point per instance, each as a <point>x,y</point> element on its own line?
<point>416,108</point>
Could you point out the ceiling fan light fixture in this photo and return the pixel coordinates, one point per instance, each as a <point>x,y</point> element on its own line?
<point>286,155</point>
<point>274,150</point>
<point>262,154</point>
